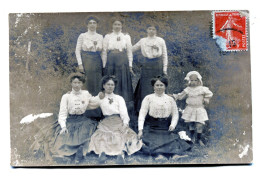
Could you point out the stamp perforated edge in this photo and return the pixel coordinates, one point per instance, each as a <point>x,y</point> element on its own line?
<point>241,12</point>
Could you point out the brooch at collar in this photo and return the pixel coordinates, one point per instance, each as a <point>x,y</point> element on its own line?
<point>110,100</point>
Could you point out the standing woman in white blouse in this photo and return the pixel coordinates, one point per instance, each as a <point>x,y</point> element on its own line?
<point>154,62</point>
<point>113,136</point>
<point>88,54</point>
<point>157,122</point>
<point>69,136</point>
<point>117,60</point>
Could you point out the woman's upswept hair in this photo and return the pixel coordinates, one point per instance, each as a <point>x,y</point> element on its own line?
<point>153,25</point>
<point>92,17</point>
<point>163,79</point>
<point>106,78</point>
<point>117,18</point>
<point>78,75</point>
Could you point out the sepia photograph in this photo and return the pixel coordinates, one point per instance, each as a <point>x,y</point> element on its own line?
<point>130,88</point>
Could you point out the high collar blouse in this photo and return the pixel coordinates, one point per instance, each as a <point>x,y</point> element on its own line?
<point>76,103</point>
<point>153,47</point>
<point>157,106</point>
<point>114,104</point>
<point>117,41</point>
<point>89,41</point>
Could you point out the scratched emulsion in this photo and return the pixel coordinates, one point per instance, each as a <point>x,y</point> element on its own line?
<point>42,56</point>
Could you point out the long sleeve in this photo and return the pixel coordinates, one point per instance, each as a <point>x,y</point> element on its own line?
<point>137,46</point>
<point>143,112</point>
<point>78,49</point>
<point>129,50</point>
<point>100,43</point>
<point>123,110</point>
<point>207,93</point>
<point>181,96</point>
<point>164,56</point>
<point>175,114</point>
<point>104,51</point>
<point>63,111</point>
<point>94,102</point>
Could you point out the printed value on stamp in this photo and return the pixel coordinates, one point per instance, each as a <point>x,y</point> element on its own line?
<point>230,30</point>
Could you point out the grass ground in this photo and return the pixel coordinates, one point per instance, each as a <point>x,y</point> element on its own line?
<point>42,93</point>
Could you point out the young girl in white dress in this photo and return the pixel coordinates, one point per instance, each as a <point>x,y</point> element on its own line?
<point>196,96</point>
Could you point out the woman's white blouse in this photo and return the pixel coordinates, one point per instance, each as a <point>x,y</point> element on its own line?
<point>117,41</point>
<point>158,107</point>
<point>89,41</point>
<point>76,103</point>
<point>153,47</point>
<point>114,104</point>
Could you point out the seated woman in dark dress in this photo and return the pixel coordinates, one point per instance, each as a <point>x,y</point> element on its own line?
<point>157,122</point>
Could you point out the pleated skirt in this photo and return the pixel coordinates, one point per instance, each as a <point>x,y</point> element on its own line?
<point>195,114</point>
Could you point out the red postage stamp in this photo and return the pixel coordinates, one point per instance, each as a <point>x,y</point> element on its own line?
<point>230,30</point>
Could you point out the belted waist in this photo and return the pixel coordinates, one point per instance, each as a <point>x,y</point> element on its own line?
<point>158,123</point>
<point>78,118</point>
<point>195,106</point>
<point>116,51</point>
<point>91,52</point>
<point>111,115</point>
<point>158,119</point>
<point>147,59</point>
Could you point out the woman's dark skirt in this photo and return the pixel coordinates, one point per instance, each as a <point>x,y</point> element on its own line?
<point>92,64</point>
<point>158,140</point>
<point>149,69</point>
<point>118,65</point>
<point>80,129</point>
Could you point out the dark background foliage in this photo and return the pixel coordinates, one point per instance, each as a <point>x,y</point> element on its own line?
<point>39,78</point>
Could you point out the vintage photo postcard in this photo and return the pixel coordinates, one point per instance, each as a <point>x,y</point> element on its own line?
<point>130,88</point>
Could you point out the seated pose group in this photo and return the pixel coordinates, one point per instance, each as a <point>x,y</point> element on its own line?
<point>79,131</point>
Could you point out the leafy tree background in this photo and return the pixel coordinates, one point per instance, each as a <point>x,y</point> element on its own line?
<point>38,77</point>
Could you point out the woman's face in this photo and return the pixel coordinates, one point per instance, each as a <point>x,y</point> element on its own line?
<point>159,87</point>
<point>194,81</point>
<point>117,26</point>
<point>92,25</point>
<point>151,31</point>
<point>109,86</point>
<point>76,84</point>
